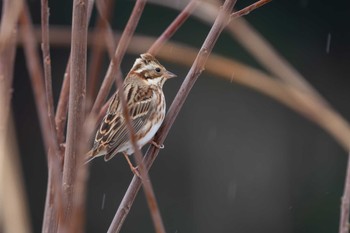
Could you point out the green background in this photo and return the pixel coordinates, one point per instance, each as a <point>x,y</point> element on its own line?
<point>235,160</point>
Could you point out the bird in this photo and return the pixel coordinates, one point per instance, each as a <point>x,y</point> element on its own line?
<point>143,89</point>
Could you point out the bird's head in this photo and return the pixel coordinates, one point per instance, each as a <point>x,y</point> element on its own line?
<point>148,68</point>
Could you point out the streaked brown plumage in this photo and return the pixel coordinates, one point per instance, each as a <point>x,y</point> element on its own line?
<point>143,88</point>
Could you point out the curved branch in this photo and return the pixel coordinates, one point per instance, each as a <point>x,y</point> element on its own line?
<point>195,71</point>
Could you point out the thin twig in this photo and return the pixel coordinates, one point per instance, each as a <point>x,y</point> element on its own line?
<point>111,73</point>
<point>50,221</point>
<point>37,80</point>
<point>151,200</point>
<point>146,182</point>
<point>173,27</point>
<point>71,219</point>
<point>13,10</point>
<point>105,13</point>
<point>345,202</point>
<point>248,9</point>
<point>257,46</point>
<point>7,58</point>
<point>264,53</point>
<point>12,190</point>
<point>12,195</point>
<point>119,54</point>
<point>45,47</point>
<point>185,88</point>
<point>97,51</point>
<point>62,106</point>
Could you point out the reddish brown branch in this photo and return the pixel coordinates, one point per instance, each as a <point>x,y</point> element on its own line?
<point>173,27</point>
<point>50,222</point>
<point>147,185</point>
<point>106,85</point>
<point>97,51</point>
<point>192,76</point>
<point>11,16</point>
<point>62,106</point>
<point>119,54</point>
<point>37,80</point>
<point>71,219</point>
<point>345,202</point>
<point>7,57</point>
<point>45,47</point>
<point>249,8</point>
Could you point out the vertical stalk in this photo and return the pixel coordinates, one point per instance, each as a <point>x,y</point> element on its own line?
<point>75,117</point>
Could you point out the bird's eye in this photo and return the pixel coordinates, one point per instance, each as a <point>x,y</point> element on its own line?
<point>158,69</point>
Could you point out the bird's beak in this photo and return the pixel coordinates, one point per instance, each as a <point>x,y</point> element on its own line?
<point>168,75</point>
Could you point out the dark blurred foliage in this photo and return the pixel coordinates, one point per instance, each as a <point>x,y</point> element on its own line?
<point>235,160</point>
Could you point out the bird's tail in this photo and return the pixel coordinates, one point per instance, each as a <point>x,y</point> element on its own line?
<point>89,156</point>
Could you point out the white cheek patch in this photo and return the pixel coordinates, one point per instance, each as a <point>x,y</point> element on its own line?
<point>154,81</point>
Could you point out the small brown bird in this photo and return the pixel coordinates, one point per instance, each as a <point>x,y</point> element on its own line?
<point>143,88</point>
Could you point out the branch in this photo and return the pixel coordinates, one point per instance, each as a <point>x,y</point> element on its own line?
<point>191,78</point>
<point>344,213</point>
<point>50,221</point>
<point>12,14</point>
<point>7,58</point>
<point>113,72</point>
<point>146,181</point>
<point>62,106</point>
<point>37,81</point>
<point>97,51</point>
<point>12,195</point>
<point>71,219</point>
<point>45,47</point>
<point>173,27</point>
<point>248,9</point>
<point>118,56</point>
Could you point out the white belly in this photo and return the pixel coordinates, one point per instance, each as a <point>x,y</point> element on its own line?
<point>148,137</point>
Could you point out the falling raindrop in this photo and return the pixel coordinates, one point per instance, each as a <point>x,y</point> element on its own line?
<point>328,45</point>
<point>103,201</point>
<point>231,191</point>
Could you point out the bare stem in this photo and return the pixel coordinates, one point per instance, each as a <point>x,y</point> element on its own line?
<point>13,10</point>
<point>111,73</point>
<point>146,182</point>
<point>119,54</point>
<point>12,199</point>
<point>37,80</point>
<point>7,58</point>
<point>173,27</point>
<point>192,76</point>
<point>62,109</point>
<point>249,8</point>
<point>62,106</point>
<point>344,214</point>
<point>72,220</point>
<point>97,51</point>
<point>50,222</point>
<point>45,47</point>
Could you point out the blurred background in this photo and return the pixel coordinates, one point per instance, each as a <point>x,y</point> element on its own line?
<point>235,160</point>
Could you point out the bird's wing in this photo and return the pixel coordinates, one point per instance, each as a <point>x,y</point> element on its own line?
<point>113,132</point>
